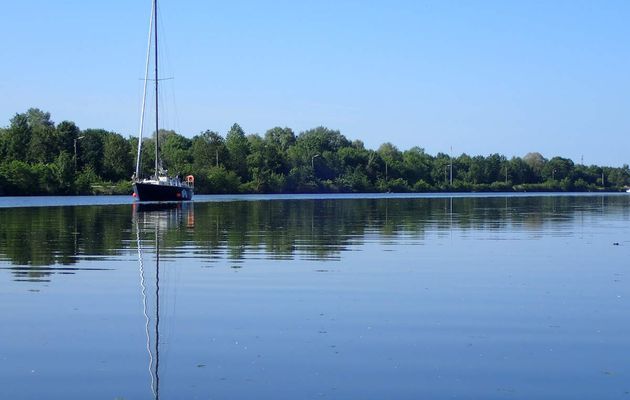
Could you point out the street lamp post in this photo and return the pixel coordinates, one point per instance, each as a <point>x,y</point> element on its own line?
<point>313,162</point>
<point>75,152</point>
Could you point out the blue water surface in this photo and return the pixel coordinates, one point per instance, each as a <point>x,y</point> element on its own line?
<point>345,296</point>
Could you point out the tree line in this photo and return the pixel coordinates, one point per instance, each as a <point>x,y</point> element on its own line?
<point>39,157</point>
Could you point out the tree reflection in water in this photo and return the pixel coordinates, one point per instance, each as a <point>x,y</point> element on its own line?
<point>36,243</point>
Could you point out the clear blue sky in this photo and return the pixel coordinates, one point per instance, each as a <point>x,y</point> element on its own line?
<point>480,76</point>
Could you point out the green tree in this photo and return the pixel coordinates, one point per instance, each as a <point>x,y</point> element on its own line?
<point>416,165</point>
<point>38,118</point>
<point>266,165</point>
<point>558,168</point>
<point>17,138</point>
<point>353,158</point>
<point>238,149</point>
<point>220,180</point>
<point>321,139</point>
<point>355,180</point>
<point>66,133</point>
<point>440,173</point>
<point>63,170</point>
<point>176,153</point>
<point>283,138</point>
<point>18,178</point>
<point>494,170</point>
<point>520,172</point>
<point>117,162</point>
<point>85,179</point>
<point>619,177</point>
<point>42,147</point>
<point>90,150</point>
<point>277,143</point>
<point>316,150</point>
<point>45,179</point>
<point>392,157</point>
<point>536,162</point>
<point>3,144</point>
<point>147,157</point>
<point>208,149</point>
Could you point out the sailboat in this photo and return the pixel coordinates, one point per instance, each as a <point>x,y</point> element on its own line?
<point>160,186</point>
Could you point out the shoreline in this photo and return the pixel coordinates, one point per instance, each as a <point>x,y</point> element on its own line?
<point>8,202</point>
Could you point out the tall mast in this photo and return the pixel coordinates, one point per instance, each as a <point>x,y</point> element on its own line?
<point>157,145</point>
<point>144,97</point>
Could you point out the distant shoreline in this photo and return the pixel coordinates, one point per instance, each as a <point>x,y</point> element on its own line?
<point>124,188</point>
<point>8,202</point>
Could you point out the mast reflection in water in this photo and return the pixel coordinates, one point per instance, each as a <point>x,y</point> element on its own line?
<point>156,218</point>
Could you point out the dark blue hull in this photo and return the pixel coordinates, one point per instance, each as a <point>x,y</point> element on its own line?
<point>153,192</point>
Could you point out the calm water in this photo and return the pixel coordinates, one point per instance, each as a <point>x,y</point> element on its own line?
<point>511,297</point>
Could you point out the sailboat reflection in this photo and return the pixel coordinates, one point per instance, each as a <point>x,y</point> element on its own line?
<point>155,220</point>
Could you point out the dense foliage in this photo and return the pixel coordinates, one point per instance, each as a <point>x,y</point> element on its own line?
<point>39,157</point>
